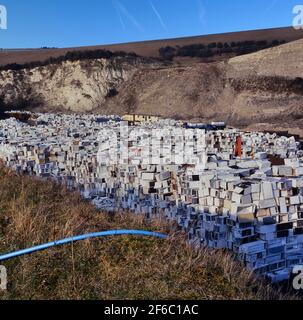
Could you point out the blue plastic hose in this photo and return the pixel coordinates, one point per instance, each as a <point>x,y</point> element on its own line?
<point>79,238</point>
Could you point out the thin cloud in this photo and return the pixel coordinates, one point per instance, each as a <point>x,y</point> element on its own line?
<point>272,5</point>
<point>201,12</point>
<point>157,13</point>
<point>124,11</point>
<point>119,16</point>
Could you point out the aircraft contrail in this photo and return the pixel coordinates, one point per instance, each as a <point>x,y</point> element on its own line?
<point>202,12</point>
<point>123,10</point>
<point>272,5</point>
<point>157,13</point>
<point>119,15</point>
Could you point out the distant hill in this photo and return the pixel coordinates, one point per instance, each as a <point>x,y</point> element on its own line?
<point>151,48</point>
<point>260,90</point>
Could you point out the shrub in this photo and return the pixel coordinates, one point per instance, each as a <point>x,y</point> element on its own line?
<point>69,56</point>
<point>211,49</point>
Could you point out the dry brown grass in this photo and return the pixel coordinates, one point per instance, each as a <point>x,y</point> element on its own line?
<point>151,48</point>
<point>127,267</point>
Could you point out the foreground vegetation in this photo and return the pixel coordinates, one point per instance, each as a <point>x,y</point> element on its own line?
<point>70,56</point>
<point>33,212</point>
<point>199,50</point>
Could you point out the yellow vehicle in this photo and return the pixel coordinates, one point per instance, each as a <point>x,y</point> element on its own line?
<point>136,118</point>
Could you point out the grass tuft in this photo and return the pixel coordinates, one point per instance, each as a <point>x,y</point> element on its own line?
<point>33,212</point>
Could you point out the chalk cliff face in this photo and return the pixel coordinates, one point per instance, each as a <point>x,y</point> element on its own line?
<point>268,87</point>
<point>79,86</point>
<point>261,90</point>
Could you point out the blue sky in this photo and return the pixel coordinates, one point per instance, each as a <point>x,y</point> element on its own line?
<point>65,23</point>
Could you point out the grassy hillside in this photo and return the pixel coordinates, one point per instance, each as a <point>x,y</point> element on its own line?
<point>34,211</point>
<point>151,48</point>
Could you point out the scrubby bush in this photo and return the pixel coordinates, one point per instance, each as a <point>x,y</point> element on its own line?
<point>167,53</point>
<point>211,49</point>
<point>69,56</point>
